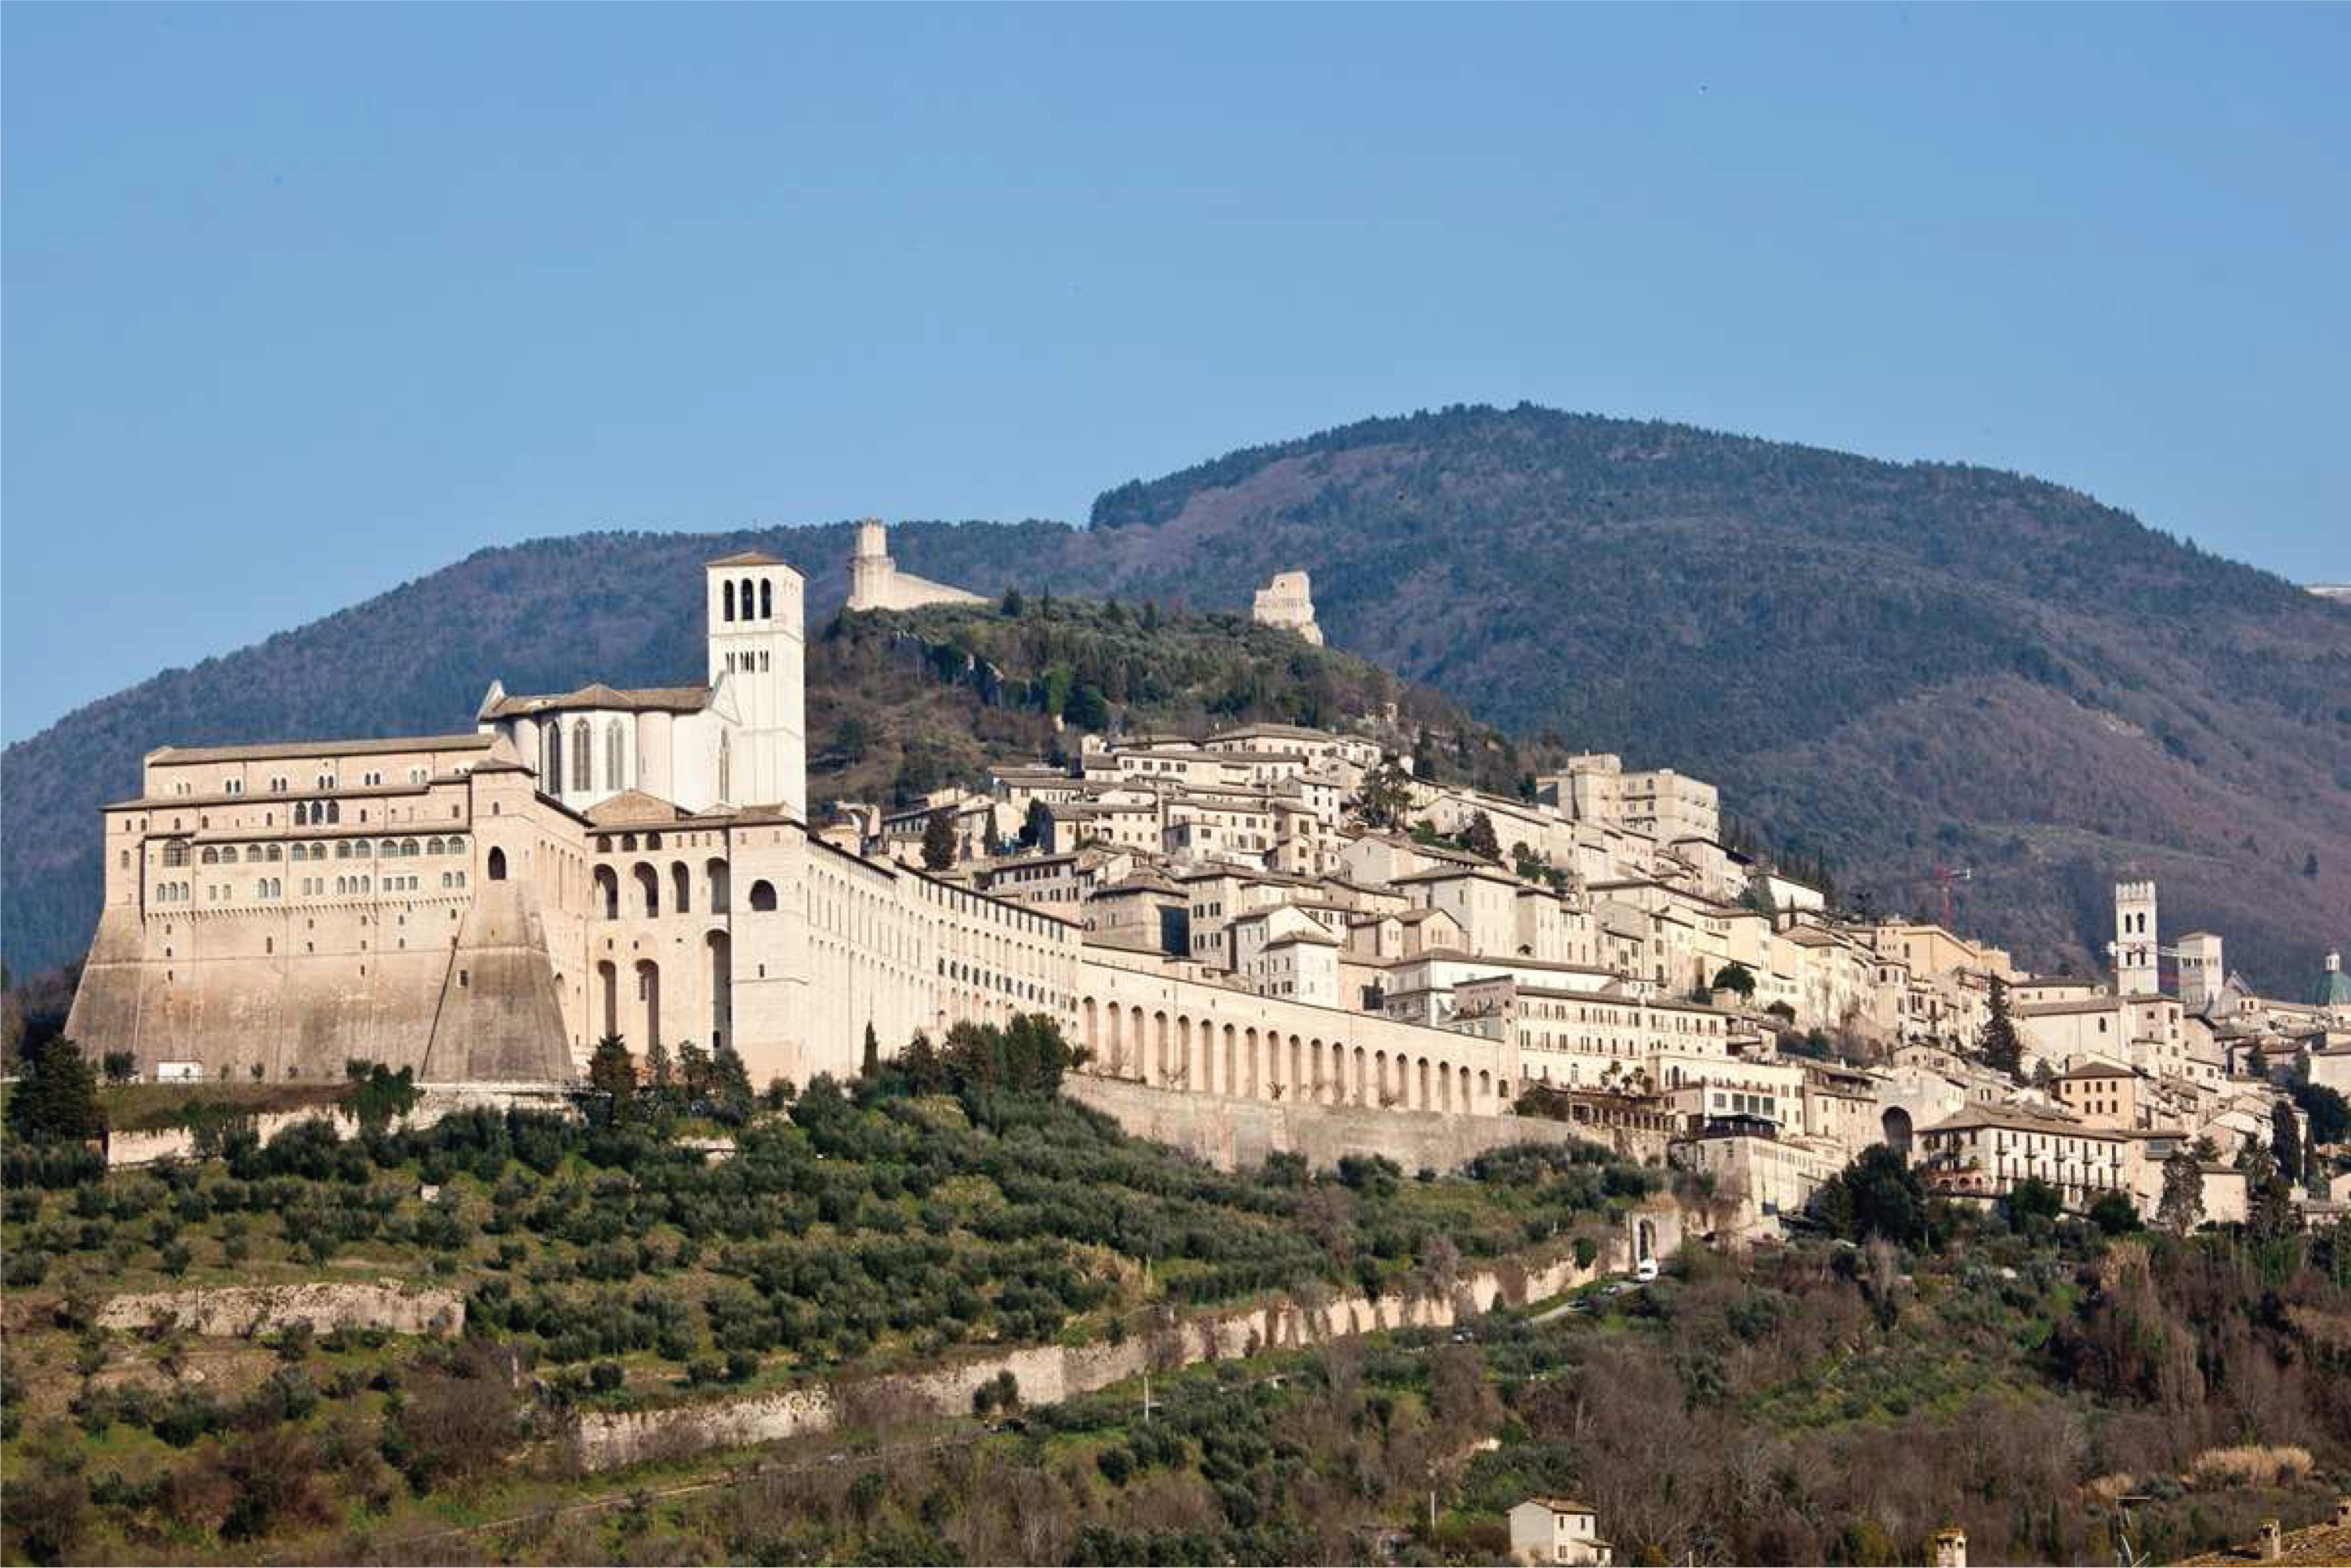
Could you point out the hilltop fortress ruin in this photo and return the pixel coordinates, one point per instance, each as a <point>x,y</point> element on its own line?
<point>877,583</point>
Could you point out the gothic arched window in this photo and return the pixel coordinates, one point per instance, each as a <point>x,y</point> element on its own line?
<point>747,600</point>
<point>583,757</point>
<point>729,589</point>
<point>616,757</point>
<point>551,757</point>
<point>766,600</point>
<point>726,779</point>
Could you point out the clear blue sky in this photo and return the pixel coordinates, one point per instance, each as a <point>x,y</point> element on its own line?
<point>302,302</point>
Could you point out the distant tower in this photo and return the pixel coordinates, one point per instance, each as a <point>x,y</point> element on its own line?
<point>754,615</point>
<point>2203,972</point>
<point>869,567</point>
<point>877,583</point>
<point>1288,601</point>
<point>2138,969</point>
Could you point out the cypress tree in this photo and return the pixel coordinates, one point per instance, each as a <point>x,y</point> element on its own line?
<point>2001,1048</point>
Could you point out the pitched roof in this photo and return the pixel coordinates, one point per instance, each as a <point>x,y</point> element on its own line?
<point>639,699</point>
<point>2018,1120</point>
<point>472,740</point>
<point>633,806</point>
<point>749,558</point>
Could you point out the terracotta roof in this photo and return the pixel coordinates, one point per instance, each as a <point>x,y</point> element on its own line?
<point>641,699</point>
<point>2103,1070</point>
<point>2324,1543</point>
<point>472,741</point>
<point>633,806</point>
<point>749,558</point>
<point>2058,1009</point>
<point>2017,1121</point>
<point>1478,869</point>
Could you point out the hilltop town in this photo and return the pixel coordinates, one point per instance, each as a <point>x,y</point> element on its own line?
<point>571,1100</point>
<point>1257,913</point>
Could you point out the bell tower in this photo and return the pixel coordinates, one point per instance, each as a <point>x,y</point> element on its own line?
<point>753,602</point>
<point>2138,961</point>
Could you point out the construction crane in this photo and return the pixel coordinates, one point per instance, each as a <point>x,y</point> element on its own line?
<point>1945,877</point>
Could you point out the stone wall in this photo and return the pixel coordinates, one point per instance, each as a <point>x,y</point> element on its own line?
<point>464,989</point>
<point>1236,1133</point>
<point>144,1149</point>
<point>238,1312</point>
<point>1048,1374</point>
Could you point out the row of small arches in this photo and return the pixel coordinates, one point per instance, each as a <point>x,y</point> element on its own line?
<point>753,606</point>
<point>1241,1060</point>
<point>645,880</point>
<point>176,853</point>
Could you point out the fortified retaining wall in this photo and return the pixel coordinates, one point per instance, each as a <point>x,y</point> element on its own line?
<point>1048,1374</point>
<point>1234,1134</point>
<point>239,1311</point>
<point>142,1148</point>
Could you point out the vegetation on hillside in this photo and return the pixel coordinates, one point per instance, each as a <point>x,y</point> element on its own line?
<point>947,1200</point>
<point>2051,1389</point>
<point>902,703</point>
<point>2047,1384</point>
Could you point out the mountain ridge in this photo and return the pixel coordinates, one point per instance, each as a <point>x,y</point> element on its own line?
<point>1849,648</point>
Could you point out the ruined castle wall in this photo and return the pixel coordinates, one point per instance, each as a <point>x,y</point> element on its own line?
<point>882,586</point>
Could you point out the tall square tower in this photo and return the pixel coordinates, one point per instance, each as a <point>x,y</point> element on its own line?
<point>754,608</point>
<point>2138,964</point>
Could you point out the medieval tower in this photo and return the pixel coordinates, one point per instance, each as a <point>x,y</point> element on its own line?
<point>2138,961</point>
<point>753,604</point>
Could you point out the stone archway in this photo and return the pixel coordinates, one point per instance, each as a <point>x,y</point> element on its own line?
<point>1898,1130</point>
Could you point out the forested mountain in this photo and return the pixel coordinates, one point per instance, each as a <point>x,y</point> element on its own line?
<point>1894,665</point>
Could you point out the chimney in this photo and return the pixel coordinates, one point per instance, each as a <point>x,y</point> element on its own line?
<point>2272,1541</point>
<point>1951,1548</point>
